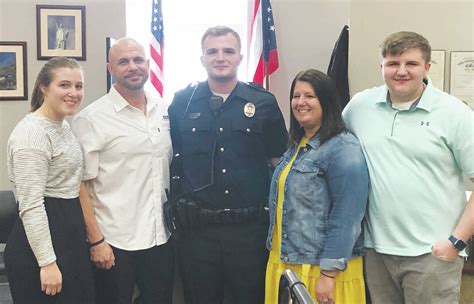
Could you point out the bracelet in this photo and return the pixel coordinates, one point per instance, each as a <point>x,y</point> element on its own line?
<point>326,275</point>
<point>97,243</point>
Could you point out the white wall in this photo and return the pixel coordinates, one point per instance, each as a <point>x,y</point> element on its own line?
<point>18,23</point>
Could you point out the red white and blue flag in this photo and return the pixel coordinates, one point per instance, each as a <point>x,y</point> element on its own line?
<point>156,47</point>
<point>263,53</point>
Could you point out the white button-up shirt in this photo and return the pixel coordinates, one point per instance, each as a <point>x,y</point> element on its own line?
<point>127,156</point>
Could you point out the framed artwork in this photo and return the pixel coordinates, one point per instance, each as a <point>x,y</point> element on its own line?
<point>109,41</point>
<point>61,31</point>
<point>13,75</point>
<point>436,73</point>
<point>462,76</point>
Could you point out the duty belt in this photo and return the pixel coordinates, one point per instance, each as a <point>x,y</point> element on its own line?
<point>231,216</point>
<point>187,216</point>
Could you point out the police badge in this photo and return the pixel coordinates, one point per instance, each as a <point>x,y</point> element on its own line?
<point>249,109</point>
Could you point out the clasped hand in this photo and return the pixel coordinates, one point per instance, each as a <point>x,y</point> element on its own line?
<point>102,256</point>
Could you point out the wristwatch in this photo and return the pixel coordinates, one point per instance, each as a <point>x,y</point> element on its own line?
<point>459,244</point>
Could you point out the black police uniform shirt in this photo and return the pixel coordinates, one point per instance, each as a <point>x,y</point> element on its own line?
<point>222,157</point>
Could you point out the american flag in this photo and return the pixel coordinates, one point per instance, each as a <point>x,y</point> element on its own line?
<point>262,46</point>
<point>156,47</point>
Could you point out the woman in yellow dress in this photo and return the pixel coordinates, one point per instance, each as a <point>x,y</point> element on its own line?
<point>318,198</point>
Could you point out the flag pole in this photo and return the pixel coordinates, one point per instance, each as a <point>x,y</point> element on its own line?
<point>267,79</point>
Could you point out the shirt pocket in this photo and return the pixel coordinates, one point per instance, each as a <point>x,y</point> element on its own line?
<point>158,129</point>
<point>308,168</point>
<point>246,137</point>
<point>196,136</point>
<point>309,185</point>
<point>161,138</point>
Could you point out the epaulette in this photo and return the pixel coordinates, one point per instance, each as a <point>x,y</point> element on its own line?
<point>193,84</point>
<point>258,87</point>
<point>191,87</point>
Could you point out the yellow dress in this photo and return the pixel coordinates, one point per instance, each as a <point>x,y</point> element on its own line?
<point>349,285</point>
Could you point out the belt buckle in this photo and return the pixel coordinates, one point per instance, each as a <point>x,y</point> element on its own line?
<point>224,215</point>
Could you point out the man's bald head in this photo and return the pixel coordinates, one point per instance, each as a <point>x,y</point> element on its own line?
<point>128,64</point>
<point>124,44</point>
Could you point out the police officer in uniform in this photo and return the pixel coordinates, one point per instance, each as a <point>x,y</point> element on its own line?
<point>226,136</point>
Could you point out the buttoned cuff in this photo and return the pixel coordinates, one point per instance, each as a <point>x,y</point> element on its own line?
<point>333,264</point>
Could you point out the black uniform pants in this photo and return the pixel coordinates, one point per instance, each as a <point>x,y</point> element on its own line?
<point>152,270</point>
<point>224,257</point>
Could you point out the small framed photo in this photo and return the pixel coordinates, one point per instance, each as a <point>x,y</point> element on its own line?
<point>462,76</point>
<point>13,76</point>
<point>436,72</point>
<point>61,31</point>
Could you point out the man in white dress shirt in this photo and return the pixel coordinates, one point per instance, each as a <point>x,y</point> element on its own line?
<point>127,150</point>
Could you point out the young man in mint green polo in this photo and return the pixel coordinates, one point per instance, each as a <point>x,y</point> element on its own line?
<point>418,142</point>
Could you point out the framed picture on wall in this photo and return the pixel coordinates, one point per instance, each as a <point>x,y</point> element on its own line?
<point>436,72</point>
<point>13,76</point>
<point>462,76</point>
<point>61,31</point>
<point>109,41</point>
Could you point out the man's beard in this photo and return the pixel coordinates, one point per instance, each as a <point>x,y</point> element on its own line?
<point>132,86</point>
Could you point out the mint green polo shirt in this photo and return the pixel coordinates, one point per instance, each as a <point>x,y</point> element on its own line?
<point>416,160</point>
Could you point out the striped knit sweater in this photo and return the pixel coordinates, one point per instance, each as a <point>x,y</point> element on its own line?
<point>44,160</point>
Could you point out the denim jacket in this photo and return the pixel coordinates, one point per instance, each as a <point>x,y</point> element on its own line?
<point>324,203</point>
